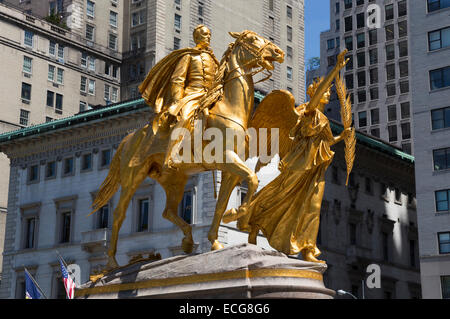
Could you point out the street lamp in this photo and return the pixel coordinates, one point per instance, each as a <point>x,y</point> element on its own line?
<point>341,292</point>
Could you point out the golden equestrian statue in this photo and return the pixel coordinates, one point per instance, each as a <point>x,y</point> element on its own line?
<point>177,96</point>
<point>287,210</point>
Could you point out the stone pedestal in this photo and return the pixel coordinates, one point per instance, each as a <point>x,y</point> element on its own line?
<point>240,271</point>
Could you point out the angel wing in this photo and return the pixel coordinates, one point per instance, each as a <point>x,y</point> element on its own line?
<point>276,110</point>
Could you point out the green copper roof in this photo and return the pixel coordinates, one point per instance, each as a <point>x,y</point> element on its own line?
<point>136,104</point>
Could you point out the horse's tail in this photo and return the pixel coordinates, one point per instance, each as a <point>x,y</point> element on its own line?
<point>111,183</point>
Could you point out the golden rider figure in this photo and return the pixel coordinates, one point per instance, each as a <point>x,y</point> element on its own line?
<point>175,86</point>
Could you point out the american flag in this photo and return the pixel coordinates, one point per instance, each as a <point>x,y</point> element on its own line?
<point>69,284</point>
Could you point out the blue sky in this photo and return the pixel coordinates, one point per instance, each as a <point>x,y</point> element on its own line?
<point>317,19</point>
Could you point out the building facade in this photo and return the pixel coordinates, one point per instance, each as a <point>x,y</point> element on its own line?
<point>430,57</point>
<point>369,222</point>
<point>378,74</point>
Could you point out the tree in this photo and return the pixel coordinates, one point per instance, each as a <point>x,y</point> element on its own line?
<point>313,64</point>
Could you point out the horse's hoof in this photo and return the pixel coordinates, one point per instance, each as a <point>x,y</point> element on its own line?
<point>216,245</point>
<point>230,216</point>
<point>187,245</point>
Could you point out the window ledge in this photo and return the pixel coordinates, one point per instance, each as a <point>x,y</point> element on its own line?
<point>439,90</point>
<point>440,130</point>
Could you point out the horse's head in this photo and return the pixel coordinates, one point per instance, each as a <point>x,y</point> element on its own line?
<point>259,51</point>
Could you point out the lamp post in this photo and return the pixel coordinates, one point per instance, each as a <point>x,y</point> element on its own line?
<point>341,292</point>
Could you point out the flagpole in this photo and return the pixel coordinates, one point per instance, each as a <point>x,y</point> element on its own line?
<point>35,282</point>
<point>61,257</point>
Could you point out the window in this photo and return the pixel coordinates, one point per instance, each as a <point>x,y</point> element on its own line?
<point>439,39</point>
<point>83,106</point>
<point>114,94</point>
<point>442,200</point>
<point>389,32</point>
<point>289,33</point>
<point>444,243</point>
<point>68,166</point>
<point>24,115</point>
<point>392,132</point>
<point>404,87</point>
<point>177,21</point>
<point>391,89</point>
<point>406,147</point>
<point>375,132</point>
<point>373,36</point>
<point>406,131</point>
<point>289,52</point>
<point>373,56</point>
<point>440,118</point>
<point>66,219</point>
<point>440,78</point>
<point>60,52</point>
<point>26,91</point>
<point>112,41</point>
<point>86,162</point>
<point>113,19</point>
<point>362,119</point>
<point>28,39</point>
<point>330,44</point>
<point>90,32</point>
<point>289,73</point>
<point>361,40</point>
<point>91,88</point>
<point>30,231</point>
<point>33,173</point>
<point>338,7</point>
<point>186,207</point>
<point>348,4</point>
<point>403,48</point>
<point>27,64</point>
<point>441,159</point>
<point>50,98</point>
<point>389,12</point>
<point>348,23</point>
<point>176,43</point>
<point>361,59</point>
<point>143,215</point>
<point>335,175</point>
<point>58,103</point>
<point>360,20</point>
<point>405,110</point>
<point>362,96</point>
<point>373,74</point>
<point>402,29</point>
<point>390,72</point>
<point>91,63</point>
<point>402,8</point>
<point>60,76</point>
<point>445,287</point>
<point>52,48</point>
<point>50,170</point>
<point>349,81</point>
<point>348,43</point>
<point>83,84</point>
<point>375,116</point>
<point>90,9</point>
<point>392,113</point>
<point>434,5</point>
<point>105,158</point>
<point>403,68</point>
<point>289,12</point>
<point>361,78</point>
<point>374,94</point>
<point>103,217</point>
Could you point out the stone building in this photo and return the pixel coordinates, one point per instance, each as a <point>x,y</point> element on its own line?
<point>57,167</point>
<point>378,73</point>
<point>430,85</point>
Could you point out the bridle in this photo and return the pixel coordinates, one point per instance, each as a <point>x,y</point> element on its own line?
<point>256,52</point>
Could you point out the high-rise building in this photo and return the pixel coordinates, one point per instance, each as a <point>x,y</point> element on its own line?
<point>430,91</point>
<point>378,73</point>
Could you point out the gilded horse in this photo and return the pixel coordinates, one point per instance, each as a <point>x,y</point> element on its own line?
<point>248,53</point>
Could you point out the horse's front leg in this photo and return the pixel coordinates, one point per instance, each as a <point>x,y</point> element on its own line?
<point>227,185</point>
